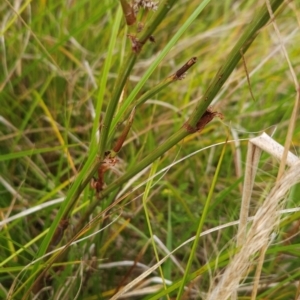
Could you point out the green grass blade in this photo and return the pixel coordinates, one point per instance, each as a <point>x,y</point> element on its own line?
<point>200,225</point>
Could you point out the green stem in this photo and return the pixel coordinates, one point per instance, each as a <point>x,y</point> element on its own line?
<point>250,33</point>
<point>233,58</point>
<point>164,7</point>
<point>125,111</point>
<point>112,105</point>
<point>104,75</point>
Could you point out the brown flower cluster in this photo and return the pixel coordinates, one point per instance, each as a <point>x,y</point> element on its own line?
<point>147,4</point>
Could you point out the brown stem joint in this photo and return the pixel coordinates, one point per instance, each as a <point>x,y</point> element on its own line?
<point>203,121</point>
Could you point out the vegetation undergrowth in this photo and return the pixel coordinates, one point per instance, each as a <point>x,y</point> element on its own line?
<point>124,133</point>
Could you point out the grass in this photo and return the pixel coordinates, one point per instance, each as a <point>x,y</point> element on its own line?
<point>164,225</point>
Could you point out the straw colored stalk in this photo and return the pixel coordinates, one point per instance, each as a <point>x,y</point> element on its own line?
<point>265,222</point>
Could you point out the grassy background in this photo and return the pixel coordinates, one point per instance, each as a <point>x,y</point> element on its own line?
<point>52,60</point>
